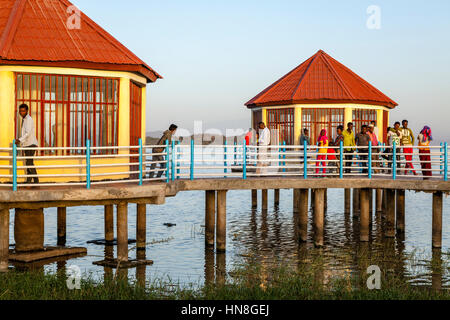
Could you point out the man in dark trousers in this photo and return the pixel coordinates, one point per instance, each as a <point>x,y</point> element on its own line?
<point>28,140</point>
<point>362,141</point>
<point>166,137</point>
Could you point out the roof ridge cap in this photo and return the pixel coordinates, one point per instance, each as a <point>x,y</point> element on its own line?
<point>304,74</point>
<point>336,75</point>
<point>11,26</point>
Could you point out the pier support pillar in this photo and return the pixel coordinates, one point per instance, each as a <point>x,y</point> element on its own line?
<point>4,239</point>
<point>390,213</point>
<point>325,199</point>
<point>210,217</point>
<point>109,223</point>
<point>141,226</point>
<point>296,200</point>
<point>29,230</point>
<point>356,205</point>
<point>122,232</point>
<point>347,195</point>
<point>437,220</point>
<point>264,198</point>
<point>221,225</point>
<point>319,212</point>
<point>254,199</point>
<point>400,201</point>
<point>62,226</point>
<point>379,200</point>
<point>303,214</point>
<point>370,201</point>
<point>365,214</point>
<point>276,197</point>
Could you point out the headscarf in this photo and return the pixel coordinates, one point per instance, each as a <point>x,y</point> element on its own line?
<point>323,136</point>
<point>426,132</point>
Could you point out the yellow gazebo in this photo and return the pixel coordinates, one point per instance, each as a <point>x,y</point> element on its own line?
<point>79,82</point>
<point>321,93</point>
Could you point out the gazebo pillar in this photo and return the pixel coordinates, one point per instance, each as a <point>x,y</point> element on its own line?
<point>348,116</point>
<point>297,124</point>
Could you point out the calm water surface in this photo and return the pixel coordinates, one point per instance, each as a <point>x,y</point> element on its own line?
<point>179,253</point>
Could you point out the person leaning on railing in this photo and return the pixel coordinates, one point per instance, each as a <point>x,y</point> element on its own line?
<point>28,140</point>
<point>374,139</point>
<point>394,135</point>
<point>263,143</point>
<point>424,140</point>
<point>337,143</point>
<point>305,138</point>
<point>166,137</point>
<point>349,147</point>
<point>362,141</point>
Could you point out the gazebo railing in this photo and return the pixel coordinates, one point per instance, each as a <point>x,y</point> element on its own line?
<point>91,166</point>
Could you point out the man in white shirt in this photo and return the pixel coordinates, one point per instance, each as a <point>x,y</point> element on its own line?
<point>263,143</point>
<point>28,140</point>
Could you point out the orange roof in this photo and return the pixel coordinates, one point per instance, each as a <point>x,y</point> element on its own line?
<point>35,32</point>
<point>321,79</point>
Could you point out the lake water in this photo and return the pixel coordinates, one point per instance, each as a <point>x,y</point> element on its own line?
<point>179,253</point>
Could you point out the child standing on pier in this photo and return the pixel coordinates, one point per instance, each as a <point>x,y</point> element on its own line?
<point>323,151</point>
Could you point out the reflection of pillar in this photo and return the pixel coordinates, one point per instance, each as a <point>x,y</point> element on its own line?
<point>141,268</point>
<point>209,267</point>
<point>437,220</point>
<point>264,198</point>
<point>221,224</point>
<point>364,217</point>
<point>318,216</point>
<point>122,231</point>
<point>254,199</point>
<point>303,214</point>
<point>390,213</point>
<point>109,223</point>
<point>276,197</point>
<point>61,221</point>
<point>436,269</point>
<point>221,268</point>
<point>296,199</point>
<point>141,226</point>
<point>356,205</point>
<point>400,221</point>
<point>210,217</point>
<point>109,255</point>
<point>4,239</point>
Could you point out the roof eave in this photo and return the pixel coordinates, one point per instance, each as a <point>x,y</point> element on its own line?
<point>386,104</point>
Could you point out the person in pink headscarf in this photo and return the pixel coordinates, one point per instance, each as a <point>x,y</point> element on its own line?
<point>424,138</point>
<point>323,151</point>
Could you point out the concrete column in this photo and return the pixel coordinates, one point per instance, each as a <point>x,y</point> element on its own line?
<point>379,200</point>
<point>296,199</point>
<point>319,195</point>
<point>122,231</point>
<point>221,225</point>
<point>276,197</point>
<point>356,206</point>
<point>325,199</point>
<point>109,223</point>
<point>303,214</point>
<point>62,226</point>
<point>141,226</point>
<point>29,230</point>
<point>390,213</point>
<point>210,217</point>
<point>347,196</point>
<point>264,198</point>
<point>4,239</point>
<point>254,199</point>
<point>437,220</point>
<point>365,214</point>
<point>400,201</point>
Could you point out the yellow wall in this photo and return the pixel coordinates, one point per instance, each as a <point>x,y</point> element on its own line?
<point>7,109</point>
<point>348,116</point>
<point>297,124</point>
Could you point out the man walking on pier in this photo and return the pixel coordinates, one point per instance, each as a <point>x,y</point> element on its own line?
<point>408,143</point>
<point>28,140</point>
<point>362,141</point>
<point>263,143</point>
<point>158,157</point>
<point>349,144</point>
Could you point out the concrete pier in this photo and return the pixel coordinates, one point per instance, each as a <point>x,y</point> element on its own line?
<point>264,199</point>
<point>62,226</point>
<point>365,214</point>
<point>319,212</point>
<point>347,201</point>
<point>400,211</point>
<point>437,220</point>
<point>109,223</point>
<point>254,199</point>
<point>141,226</point>
<point>303,214</point>
<point>122,232</point>
<point>379,200</point>
<point>221,225</point>
<point>4,239</point>
<point>390,213</point>
<point>276,197</point>
<point>210,217</point>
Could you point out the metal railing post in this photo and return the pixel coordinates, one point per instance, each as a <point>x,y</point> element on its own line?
<point>192,160</point>
<point>244,161</point>
<point>284,156</point>
<point>225,170</point>
<point>441,159</point>
<point>167,162</point>
<point>178,160</point>
<point>141,167</point>
<point>305,160</point>
<point>173,160</point>
<point>369,159</point>
<point>394,160</point>
<point>235,153</point>
<point>446,161</point>
<point>14,165</point>
<point>341,160</point>
<point>88,164</point>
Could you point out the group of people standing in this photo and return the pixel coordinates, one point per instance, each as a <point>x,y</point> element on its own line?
<point>400,135</point>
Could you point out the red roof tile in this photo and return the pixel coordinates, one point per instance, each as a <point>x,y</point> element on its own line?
<point>321,79</point>
<point>35,32</point>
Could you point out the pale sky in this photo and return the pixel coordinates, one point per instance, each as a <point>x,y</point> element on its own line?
<point>217,55</point>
